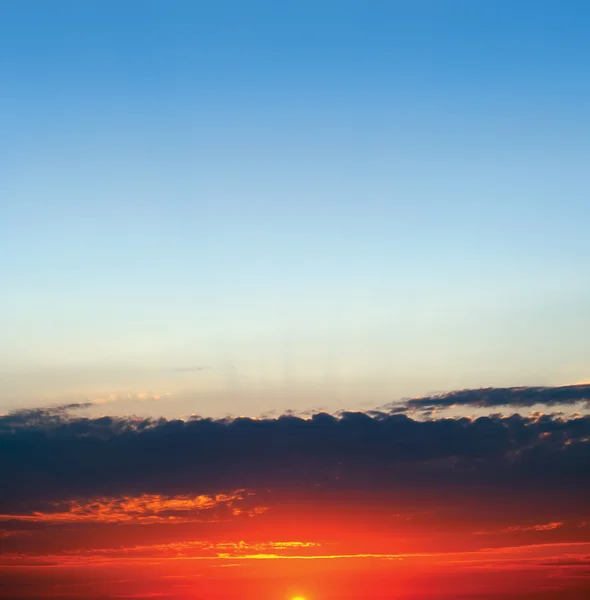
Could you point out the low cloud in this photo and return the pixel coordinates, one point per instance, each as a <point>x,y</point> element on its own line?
<point>514,397</point>
<point>49,455</point>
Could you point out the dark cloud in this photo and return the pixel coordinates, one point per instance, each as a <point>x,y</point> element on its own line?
<point>517,397</point>
<point>49,455</point>
<point>45,417</point>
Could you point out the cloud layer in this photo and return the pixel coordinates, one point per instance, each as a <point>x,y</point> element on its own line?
<point>51,456</point>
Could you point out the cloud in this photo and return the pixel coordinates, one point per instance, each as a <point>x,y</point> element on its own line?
<point>517,528</point>
<point>59,412</point>
<point>112,397</point>
<point>48,455</point>
<point>534,554</point>
<point>201,549</point>
<point>144,509</point>
<point>516,397</point>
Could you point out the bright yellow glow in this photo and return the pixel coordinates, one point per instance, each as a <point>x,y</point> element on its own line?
<point>298,598</point>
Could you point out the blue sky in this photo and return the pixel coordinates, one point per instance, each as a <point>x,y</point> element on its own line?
<point>241,206</point>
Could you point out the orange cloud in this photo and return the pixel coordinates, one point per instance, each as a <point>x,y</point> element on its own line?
<point>526,555</point>
<point>518,528</point>
<point>145,509</point>
<point>198,548</point>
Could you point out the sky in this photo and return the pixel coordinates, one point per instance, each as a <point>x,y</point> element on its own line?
<point>295,301</point>
<point>248,206</point>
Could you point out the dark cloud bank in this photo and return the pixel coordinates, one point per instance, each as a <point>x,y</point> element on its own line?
<point>50,455</point>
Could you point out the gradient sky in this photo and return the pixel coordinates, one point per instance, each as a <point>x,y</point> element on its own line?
<point>243,206</point>
<point>293,212</point>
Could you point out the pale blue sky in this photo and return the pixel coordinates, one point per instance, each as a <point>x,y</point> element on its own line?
<point>323,204</point>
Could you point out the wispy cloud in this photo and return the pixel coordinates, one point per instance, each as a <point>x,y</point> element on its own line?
<point>516,397</point>
<point>143,509</point>
<point>518,528</point>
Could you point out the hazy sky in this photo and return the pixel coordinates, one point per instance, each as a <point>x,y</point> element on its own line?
<point>296,204</point>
